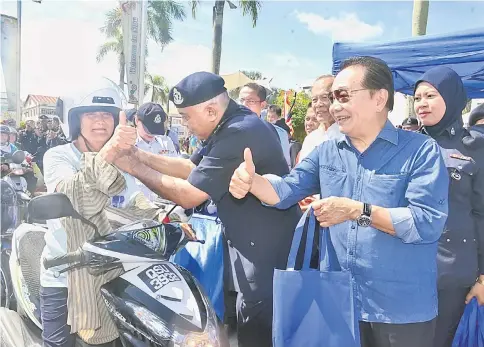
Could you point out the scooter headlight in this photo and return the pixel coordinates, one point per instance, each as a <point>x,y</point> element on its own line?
<point>155,324</point>
<point>205,339</point>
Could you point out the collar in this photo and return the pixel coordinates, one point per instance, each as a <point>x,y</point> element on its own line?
<point>139,139</point>
<point>453,129</point>
<point>389,133</point>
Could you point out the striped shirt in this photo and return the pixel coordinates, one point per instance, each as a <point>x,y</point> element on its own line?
<point>90,191</point>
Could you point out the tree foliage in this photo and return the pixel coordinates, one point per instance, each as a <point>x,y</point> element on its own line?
<point>253,75</point>
<point>160,88</point>
<point>160,26</point>
<point>298,111</point>
<point>249,8</point>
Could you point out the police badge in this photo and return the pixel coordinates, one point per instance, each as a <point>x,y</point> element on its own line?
<point>177,97</point>
<point>157,119</point>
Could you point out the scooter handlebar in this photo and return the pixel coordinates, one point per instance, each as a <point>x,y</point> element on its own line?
<point>69,258</point>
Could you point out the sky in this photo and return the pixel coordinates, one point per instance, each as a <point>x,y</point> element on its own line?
<point>292,42</point>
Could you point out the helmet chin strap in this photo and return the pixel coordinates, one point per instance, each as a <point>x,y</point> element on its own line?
<point>86,143</point>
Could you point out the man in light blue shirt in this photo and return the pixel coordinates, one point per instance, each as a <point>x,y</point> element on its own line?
<point>384,198</point>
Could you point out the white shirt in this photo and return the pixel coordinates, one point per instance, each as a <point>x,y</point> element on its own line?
<point>316,138</point>
<point>161,144</point>
<point>7,148</point>
<point>62,163</point>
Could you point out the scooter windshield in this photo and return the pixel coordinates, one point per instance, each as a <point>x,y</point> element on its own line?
<point>147,232</point>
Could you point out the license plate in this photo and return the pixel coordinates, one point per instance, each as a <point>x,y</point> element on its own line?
<point>158,276</point>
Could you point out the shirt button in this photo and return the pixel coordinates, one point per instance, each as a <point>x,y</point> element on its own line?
<point>465,240</point>
<point>353,227</point>
<point>252,243</point>
<point>448,240</point>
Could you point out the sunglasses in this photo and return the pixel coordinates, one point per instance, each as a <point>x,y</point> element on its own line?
<point>342,95</point>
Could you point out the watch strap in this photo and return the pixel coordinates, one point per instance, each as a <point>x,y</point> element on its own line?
<point>367,209</point>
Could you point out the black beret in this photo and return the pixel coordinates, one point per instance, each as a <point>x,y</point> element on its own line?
<point>153,118</point>
<point>476,114</point>
<point>410,121</point>
<point>196,89</point>
<point>130,113</point>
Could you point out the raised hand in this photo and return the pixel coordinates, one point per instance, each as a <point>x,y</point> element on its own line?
<point>243,176</point>
<point>122,141</point>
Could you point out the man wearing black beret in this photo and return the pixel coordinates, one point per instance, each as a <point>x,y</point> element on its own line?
<point>476,118</point>
<point>410,124</point>
<point>258,237</point>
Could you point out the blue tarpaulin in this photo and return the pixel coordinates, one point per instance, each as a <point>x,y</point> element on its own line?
<point>408,59</point>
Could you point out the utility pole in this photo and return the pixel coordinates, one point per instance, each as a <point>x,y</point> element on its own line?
<point>19,55</point>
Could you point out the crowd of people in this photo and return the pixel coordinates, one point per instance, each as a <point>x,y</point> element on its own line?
<point>404,204</point>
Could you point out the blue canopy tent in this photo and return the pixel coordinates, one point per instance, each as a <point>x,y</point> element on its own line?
<point>408,59</point>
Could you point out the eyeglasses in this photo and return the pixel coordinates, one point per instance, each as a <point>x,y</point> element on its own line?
<point>248,102</point>
<point>342,95</point>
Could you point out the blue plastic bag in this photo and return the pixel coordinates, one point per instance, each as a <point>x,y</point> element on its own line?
<point>206,261</point>
<point>470,332</point>
<point>314,308</point>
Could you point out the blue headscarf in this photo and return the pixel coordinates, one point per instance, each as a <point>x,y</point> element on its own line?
<point>451,88</point>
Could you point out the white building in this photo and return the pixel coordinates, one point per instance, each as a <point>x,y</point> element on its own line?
<point>37,105</point>
<point>176,122</point>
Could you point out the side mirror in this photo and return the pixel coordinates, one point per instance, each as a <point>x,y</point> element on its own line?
<point>53,206</point>
<point>18,157</point>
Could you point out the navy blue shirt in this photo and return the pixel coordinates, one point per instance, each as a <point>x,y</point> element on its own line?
<point>461,248</point>
<point>402,171</point>
<point>259,237</point>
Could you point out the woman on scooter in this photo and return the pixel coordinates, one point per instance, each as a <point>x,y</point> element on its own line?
<point>71,303</point>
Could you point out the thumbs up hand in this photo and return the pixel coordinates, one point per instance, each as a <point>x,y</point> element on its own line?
<point>124,135</point>
<point>122,141</point>
<point>242,179</point>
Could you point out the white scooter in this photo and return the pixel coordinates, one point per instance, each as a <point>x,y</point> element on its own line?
<point>154,303</point>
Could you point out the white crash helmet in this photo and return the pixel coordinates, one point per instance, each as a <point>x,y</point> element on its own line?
<point>100,95</point>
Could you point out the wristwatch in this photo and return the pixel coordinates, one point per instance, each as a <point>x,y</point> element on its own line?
<point>364,220</point>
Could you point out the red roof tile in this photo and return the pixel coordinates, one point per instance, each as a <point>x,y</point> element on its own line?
<point>42,99</point>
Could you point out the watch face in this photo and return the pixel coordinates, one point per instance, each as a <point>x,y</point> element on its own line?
<point>364,221</point>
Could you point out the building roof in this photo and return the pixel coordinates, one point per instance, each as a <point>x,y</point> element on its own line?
<point>41,99</point>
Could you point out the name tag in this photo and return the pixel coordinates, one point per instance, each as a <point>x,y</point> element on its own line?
<point>461,157</point>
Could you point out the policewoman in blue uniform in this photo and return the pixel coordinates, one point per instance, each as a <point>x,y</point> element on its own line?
<point>258,237</point>
<point>440,98</point>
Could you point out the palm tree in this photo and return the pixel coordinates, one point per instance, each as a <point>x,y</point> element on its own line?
<point>420,17</point>
<point>160,27</point>
<point>160,89</point>
<point>248,7</point>
<point>114,45</point>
